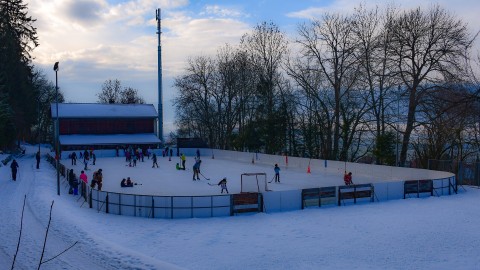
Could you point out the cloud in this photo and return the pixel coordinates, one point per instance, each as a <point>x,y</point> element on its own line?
<point>219,11</point>
<point>308,13</point>
<point>95,41</point>
<point>85,12</point>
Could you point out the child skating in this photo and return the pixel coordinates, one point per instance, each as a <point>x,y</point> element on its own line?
<point>223,184</point>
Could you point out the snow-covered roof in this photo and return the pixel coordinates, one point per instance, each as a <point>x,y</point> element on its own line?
<point>109,139</point>
<point>101,110</point>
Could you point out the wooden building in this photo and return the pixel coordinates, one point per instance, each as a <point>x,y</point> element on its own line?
<point>105,126</point>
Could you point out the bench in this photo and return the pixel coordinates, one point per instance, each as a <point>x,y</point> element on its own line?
<point>246,203</point>
<point>417,187</point>
<point>355,192</point>
<point>318,196</point>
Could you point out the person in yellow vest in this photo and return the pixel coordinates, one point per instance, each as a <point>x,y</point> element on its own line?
<point>184,159</point>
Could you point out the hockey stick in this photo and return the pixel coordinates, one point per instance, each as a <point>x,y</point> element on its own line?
<point>204,176</point>
<point>271,180</point>
<point>210,184</point>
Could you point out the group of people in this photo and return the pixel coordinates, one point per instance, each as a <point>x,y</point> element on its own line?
<point>127,182</point>
<point>132,155</point>
<point>74,182</point>
<point>167,152</point>
<point>86,155</point>
<point>97,179</point>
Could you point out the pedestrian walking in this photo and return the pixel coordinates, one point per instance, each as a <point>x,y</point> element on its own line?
<point>14,167</point>
<point>37,156</point>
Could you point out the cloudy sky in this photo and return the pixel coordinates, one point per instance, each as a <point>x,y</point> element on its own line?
<point>96,40</point>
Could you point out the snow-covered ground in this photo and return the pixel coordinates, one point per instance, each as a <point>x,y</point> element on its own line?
<point>429,233</point>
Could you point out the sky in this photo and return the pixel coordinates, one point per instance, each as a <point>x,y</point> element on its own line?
<point>97,40</point>
<point>416,233</point>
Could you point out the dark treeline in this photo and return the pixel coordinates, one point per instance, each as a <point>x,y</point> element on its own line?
<point>363,86</point>
<point>25,93</point>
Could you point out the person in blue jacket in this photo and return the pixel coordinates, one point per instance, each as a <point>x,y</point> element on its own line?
<point>277,173</point>
<point>196,169</point>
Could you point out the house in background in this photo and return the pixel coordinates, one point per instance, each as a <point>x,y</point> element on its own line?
<point>105,126</point>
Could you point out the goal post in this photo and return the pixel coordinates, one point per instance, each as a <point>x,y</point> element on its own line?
<point>253,183</point>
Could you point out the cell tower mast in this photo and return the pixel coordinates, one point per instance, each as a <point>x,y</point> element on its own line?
<point>160,103</point>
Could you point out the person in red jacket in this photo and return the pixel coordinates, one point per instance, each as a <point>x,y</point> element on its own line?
<point>347,178</point>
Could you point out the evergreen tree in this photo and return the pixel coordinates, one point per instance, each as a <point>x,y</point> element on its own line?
<point>18,38</point>
<point>385,148</point>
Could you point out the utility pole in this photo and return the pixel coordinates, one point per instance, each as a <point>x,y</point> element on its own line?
<point>57,133</point>
<point>397,161</point>
<point>160,103</point>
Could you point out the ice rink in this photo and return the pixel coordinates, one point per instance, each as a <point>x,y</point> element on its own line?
<point>167,181</point>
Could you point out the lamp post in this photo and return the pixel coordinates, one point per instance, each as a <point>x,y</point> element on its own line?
<point>57,152</point>
<point>397,160</point>
<point>38,123</point>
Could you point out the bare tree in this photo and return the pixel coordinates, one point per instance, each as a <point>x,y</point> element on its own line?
<point>194,104</point>
<point>329,46</point>
<point>427,48</point>
<point>266,47</point>
<point>130,95</point>
<point>111,92</point>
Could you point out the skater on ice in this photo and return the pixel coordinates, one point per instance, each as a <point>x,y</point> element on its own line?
<point>184,159</point>
<point>196,170</point>
<point>154,159</point>
<point>277,173</point>
<point>223,184</point>
<point>347,178</point>
<point>73,156</point>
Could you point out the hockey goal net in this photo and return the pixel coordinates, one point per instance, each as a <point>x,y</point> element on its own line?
<point>253,183</point>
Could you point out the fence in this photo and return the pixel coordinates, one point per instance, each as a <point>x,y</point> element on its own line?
<point>160,206</point>
<point>467,173</point>
<point>151,206</point>
<point>170,207</point>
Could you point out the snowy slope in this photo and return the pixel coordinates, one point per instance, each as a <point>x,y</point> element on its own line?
<point>431,233</point>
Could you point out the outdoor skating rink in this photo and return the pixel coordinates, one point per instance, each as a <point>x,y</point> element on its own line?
<point>167,181</point>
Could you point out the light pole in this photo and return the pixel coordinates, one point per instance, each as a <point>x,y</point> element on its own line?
<point>397,161</point>
<point>38,129</point>
<point>57,152</point>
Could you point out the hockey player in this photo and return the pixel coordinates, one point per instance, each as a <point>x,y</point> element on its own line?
<point>223,184</point>
<point>277,173</point>
<point>196,169</point>
<point>347,178</point>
